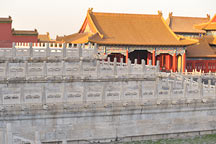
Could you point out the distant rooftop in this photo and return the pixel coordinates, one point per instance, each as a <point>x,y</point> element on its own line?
<point>6,20</point>
<point>181,24</point>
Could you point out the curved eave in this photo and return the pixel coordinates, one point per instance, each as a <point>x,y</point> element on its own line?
<point>201,56</point>
<point>131,44</point>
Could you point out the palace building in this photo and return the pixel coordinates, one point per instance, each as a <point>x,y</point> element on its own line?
<point>185,25</point>
<point>44,38</point>
<point>202,56</point>
<point>134,36</point>
<point>9,35</point>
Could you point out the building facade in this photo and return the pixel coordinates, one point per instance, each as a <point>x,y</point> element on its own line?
<point>202,56</point>
<point>185,25</point>
<point>9,35</point>
<point>134,36</point>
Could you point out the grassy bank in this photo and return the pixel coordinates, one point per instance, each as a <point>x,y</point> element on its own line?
<point>206,139</point>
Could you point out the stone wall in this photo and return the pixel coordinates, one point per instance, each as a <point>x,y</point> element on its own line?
<point>84,100</point>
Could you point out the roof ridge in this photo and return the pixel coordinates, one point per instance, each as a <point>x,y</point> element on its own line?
<point>126,14</point>
<point>92,22</point>
<point>189,17</point>
<point>169,29</point>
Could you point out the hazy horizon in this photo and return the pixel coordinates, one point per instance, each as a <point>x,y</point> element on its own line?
<point>64,17</point>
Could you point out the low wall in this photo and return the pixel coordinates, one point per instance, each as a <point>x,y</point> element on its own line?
<point>54,98</point>
<point>90,110</point>
<point>105,123</point>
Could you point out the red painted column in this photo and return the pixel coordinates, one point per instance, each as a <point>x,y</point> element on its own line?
<point>148,58</point>
<point>126,56</point>
<point>168,62</point>
<point>183,62</point>
<point>174,62</point>
<point>162,60</point>
<point>153,57</point>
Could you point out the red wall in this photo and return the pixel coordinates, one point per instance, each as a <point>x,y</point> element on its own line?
<point>6,37</point>
<point>5,31</point>
<point>24,38</point>
<point>203,65</point>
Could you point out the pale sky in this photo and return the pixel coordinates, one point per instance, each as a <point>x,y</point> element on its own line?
<point>64,17</point>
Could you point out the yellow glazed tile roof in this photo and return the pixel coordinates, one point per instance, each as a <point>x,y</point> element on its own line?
<point>185,24</point>
<point>210,25</point>
<point>211,39</point>
<point>44,37</point>
<point>77,38</point>
<point>131,29</point>
<point>24,32</point>
<point>201,49</point>
<point>6,20</point>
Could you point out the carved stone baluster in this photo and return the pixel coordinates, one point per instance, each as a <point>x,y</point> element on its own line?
<point>129,67</point>
<point>79,50</point>
<point>13,50</point>
<point>115,67</point>
<point>7,73</point>
<point>185,89</point>
<point>26,70</point>
<point>63,69</point>
<point>48,52</point>
<point>200,88</point>
<point>98,69</point>
<point>108,60</point>
<point>44,69</point>
<point>143,66</point>
<point>81,68</point>
<point>30,50</point>
<point>37,137</point>
<point>64,50</point>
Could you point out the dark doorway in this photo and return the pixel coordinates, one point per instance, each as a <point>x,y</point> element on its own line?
<point>139,55</point>
<point>118,56</point>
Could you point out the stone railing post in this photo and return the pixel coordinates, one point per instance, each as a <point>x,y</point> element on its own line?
<point>9,135</point>
<point>98,69</point>
<point>150,62</point>
<point>121,61</point>
<point>135,61</point>
<point>37,138</point>
<point>30,50</point>
<point>175,80</point>
<point>158,66</point>
<point>200,87</point>
<point>22,97</point>
<point>44,69</point>
<point>89,45</point>
<point>14,50</point>
<point>81,68</point>
<point>95,48</point>
<point>47,50</point>
<point>64,142</point>
<point>43,99</point>
<point>185,89</point>
<point>84,93</point>
<point>171,91</point>
<point>108,60</point>
<point>156,87</point>
<point>215,89</point>
<point>79,50</point>
<point>129,67</point>
<point>7,70</point>
<point>140,90</point>
<point>143,66</point>
<point>115,67</point>
<point>209,83</point>
<point>64,50</point>
<point>26,69</point>
<point>63,69</point>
